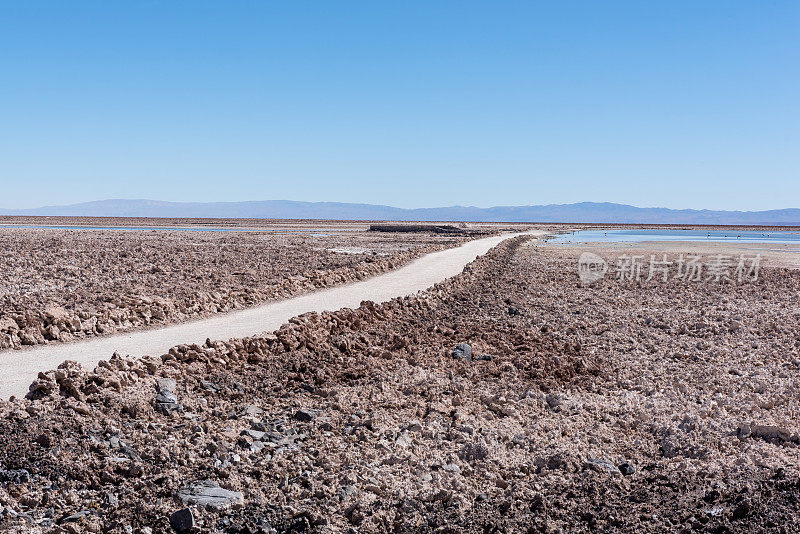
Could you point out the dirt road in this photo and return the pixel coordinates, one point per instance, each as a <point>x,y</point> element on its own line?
<point>19,368</point>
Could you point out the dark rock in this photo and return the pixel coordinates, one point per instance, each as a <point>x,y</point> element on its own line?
<point>554,401</point>
<point>182,520</point>
<point>414,426</point>
<point>129,452</point>
<point>742,510</point>
<point>626,469</point>
<point>326,426</point>
<point>74,518</point>
<point>14,476</point>
<point>463,351</point>
<point>168,407</point>
<point>305,415</point>
<point>346,491</point>
<point>473,451</point>
<point>166,399</point>
<point>210,386</point>
<point>485,357</point>
<point>537,503</point>
<point>601,465</point>
<point>553,462</point>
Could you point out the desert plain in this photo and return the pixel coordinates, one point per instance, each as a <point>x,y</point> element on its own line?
<point>511,397</point>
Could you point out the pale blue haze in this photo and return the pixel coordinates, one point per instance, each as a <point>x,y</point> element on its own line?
<point>410,104</point>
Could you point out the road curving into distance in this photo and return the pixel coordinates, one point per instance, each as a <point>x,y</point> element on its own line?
<point>18,368</point>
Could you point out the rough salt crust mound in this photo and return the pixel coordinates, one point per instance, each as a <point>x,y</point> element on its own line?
<point>63,285</point>
<point>620,407</point>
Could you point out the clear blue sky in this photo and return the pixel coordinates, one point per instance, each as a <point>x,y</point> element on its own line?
<point>691,104</point>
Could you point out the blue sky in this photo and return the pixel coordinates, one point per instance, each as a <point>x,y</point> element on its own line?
<point>412,104</point>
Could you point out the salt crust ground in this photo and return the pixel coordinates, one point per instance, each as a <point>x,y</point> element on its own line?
<point>618,407</point>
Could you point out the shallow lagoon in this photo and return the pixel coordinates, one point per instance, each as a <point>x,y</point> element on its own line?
<point>634,235</point>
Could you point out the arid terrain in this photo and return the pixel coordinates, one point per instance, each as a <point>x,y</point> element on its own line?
<point>67,284</point>
<point>510,398</point>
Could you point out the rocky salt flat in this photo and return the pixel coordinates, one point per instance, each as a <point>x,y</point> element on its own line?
<point>508,399</point>
<point>62,285</point>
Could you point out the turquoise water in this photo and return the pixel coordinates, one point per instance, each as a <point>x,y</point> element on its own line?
<point>637,236</point>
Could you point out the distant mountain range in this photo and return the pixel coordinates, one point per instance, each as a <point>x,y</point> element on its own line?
<point>582,212</point>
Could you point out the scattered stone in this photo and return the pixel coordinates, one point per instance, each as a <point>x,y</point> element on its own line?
<point>166,398</point>
<point>373,488</point>
<point>166,385</point>
<point>255,434</point>
<point>404,439</point>
<point>305,415</point>
<point>742,509</point>
<point>768,433</point>
<point>499,405</point>
<point>452,468</point>
<point>56,314</point>
<point>74,518</point>
<point>554,401</point>
<point>414,426</point>
<point>473,451</point>
<point>716,511</point>
<point>208,385</point>
<point>252,410</point>
<point>182,520</point>
<point>626,469</point>
<point>14,476</point>
<point>209,493</point>
<point>44,440</point>
<point>463,351</point>
<point>601,465</point>
<point>346,491</point>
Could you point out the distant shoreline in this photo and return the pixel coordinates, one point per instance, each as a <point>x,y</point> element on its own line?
<point>605,213</point>
<point>260,223</point>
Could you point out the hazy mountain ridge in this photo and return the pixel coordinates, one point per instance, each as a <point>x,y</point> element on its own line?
<point>582,212</point>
